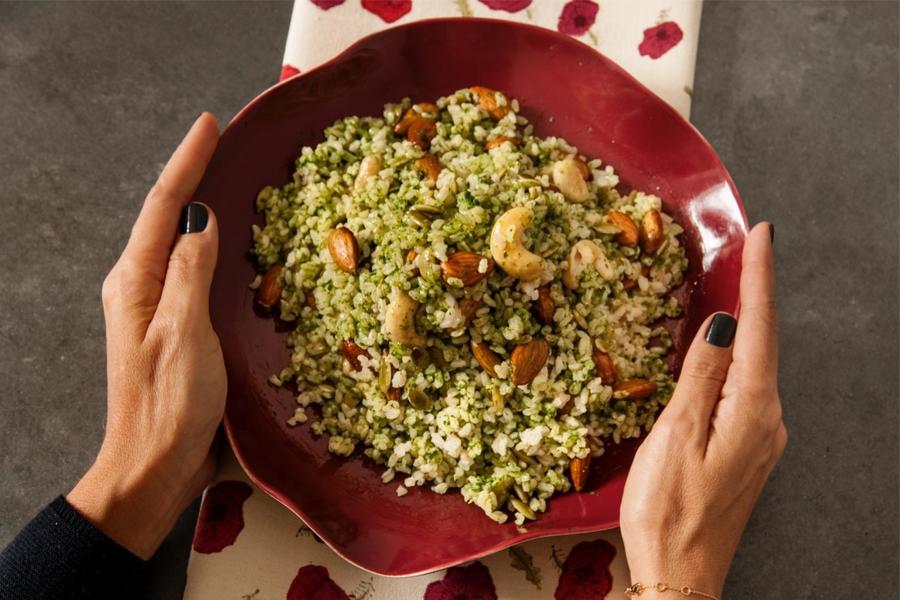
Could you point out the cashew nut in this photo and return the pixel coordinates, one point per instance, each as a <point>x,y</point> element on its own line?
<point>399,320</point>
<point>583,254</point>
<point>368,169</point>
<point>568,176</point>
<point>508,245</point>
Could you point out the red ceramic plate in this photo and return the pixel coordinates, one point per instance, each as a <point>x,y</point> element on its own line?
<point>565,88</point>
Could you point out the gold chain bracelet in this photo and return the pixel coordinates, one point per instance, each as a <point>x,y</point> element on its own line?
<point>636,589</point>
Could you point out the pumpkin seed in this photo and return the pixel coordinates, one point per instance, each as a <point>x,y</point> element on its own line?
<point>422,214</point>
<point>518,505</point>
<point>501,490</point>
<point>420,400</point>
<point>520,493</point>
<point>384,375</point>
<point>498,401</point>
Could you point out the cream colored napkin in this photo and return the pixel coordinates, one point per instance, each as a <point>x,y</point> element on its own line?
<point>654,40</point>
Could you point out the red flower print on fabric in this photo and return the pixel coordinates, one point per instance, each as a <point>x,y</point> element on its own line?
<point>509,6</point>
<point>463,583</point>
<point>585,574</point>
<point>314,583</point>
<point>660,39</point>
<point>288,71</point>
<point>326,4</point>
<point>577,17</point>
<point>221,516</point>
<point>388,10</point>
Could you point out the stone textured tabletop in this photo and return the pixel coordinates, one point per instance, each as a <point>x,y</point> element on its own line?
<point>799,98</point>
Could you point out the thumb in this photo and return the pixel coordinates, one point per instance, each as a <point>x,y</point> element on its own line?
<point>191,264</point>
<point>703,373</point>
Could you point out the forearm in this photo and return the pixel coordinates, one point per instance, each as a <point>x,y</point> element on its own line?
<point>59,555</point>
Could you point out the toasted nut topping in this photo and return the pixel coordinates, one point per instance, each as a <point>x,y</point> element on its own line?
<point>400,320</point>
<point>269,291</point>
<point>486,357</point>
<point>429,165</point>
<point>498,402</point>
<point>508,244</point>
<point>579,469</point>
<point>368,170</point>
<point>464,265</point>
<point>527,360</point>
<point>634,389</point>
<point>630,284</point>
<point>651,231</point>
<point>518,505</point>
<point>421,132</point>
<point>583,254</point>
<point>419,399</point>
<point>344,249</point>
<point>498,141</point>
<point>411,256</point>
<point>606,369</point>
<point>422,110</point>
<point>487,99</point>
<point>468,307</point>
<point>568,177</point>
<point>352,351</point>
<point>628,231</point>
<point>544,308</point>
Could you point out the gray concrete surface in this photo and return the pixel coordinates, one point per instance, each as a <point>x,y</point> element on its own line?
<point>799,98</point>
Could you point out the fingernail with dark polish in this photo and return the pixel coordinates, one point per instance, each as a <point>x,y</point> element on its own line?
<point>194,218</point>
<point>772,232</point>
<point>721,330</point>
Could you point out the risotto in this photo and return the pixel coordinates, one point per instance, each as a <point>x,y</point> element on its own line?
<point>473,306</point>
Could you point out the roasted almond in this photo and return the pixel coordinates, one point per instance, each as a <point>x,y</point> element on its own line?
<point>629,283</point>
<point>544,308</point>
<point>429,165</point>
<point>344,249</point>
<point>468,307</point>
<point>269,291</point>
<point>421,131</point>
<point>498,141</point>
<point>311,300</point>
<point>606,369</point>
<point>527,360</point>
<point>468,267</point>
<point>579,470</point>
<point>486,357</point>
<point>351,351</point>
<point>628,231</point>
<point>634,389</point>
<point>394,393</point>
<point>487,99</point>
<point>582,168</point>
<point>651,231</point>
<point>422,110</point>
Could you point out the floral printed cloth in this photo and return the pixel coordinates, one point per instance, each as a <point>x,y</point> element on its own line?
<point>246,545</point>
<point>654,40</point>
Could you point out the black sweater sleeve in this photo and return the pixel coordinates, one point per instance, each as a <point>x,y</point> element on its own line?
<point>60,555</point>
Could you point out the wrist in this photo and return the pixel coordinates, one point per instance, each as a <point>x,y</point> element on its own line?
<point>676,573</point>
<point>136,506</point>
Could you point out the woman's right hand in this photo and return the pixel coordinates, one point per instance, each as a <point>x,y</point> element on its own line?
<point>697,476</point>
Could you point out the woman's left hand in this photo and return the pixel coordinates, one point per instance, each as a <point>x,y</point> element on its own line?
<point>165,372</point>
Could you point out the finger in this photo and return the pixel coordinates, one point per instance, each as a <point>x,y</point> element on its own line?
<point>703,372</point>
<point>756,340</point>
<point>154,231</point>
<point>185,294</point>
